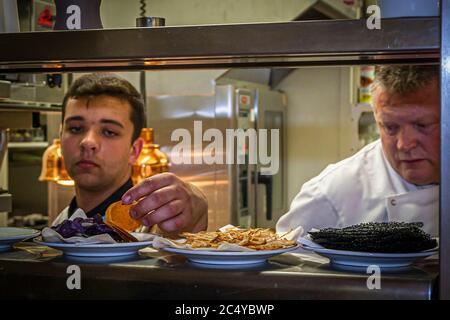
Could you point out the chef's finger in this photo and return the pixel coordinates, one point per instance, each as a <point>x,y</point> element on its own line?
<point>177,223</point>
<point>154,201</point>
<point>147,186</point>
<point>167,212</point>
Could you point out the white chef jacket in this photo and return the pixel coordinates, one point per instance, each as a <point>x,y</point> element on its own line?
<point>362,188</point>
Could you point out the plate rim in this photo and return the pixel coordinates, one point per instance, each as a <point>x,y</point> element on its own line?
<point>210,253</point>
<point>373,254</point>
<point>63,245</point>
<point>35,233</point>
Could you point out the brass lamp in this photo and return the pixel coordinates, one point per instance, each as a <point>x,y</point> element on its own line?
<point>151,160</point>
<point>53,168</point>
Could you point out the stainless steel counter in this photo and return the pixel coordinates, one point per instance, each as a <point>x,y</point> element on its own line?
<point>155,275</point>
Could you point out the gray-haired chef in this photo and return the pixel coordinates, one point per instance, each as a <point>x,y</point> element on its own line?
<point>395,178</point>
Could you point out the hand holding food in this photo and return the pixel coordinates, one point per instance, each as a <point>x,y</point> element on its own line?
<point>169,202</point>
<point>118,214</point>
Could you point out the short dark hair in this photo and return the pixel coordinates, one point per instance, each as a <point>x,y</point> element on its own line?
<point>405,79</point>
<point>95,84</point>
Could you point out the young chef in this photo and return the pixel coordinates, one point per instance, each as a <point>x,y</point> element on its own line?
<point>395,178</point>
<point>102,118</point>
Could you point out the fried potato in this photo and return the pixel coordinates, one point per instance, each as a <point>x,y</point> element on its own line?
<point>118,214</point>
<point>257,239</point>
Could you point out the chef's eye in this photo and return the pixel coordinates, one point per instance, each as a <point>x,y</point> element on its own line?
<point>420,126</point>
<point>75,129</point>
<point>109,133</point>
<point>391,129</point>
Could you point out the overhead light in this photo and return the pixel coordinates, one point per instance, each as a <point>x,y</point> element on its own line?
<point>53,168</point>
<point>151,160</point>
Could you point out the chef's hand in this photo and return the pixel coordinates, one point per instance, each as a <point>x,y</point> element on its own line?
<point>170,203</point>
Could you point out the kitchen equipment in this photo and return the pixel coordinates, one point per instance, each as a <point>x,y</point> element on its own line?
<point>5,198</point>
<point>409,8</point>
<point>9,17</point>
<point>151,160</point>
<point>5,89</point>
<point>3,143</point>
<point>255,199</point>
<point>53,168</point>
<point>143,22</point>
<point>239,193</point>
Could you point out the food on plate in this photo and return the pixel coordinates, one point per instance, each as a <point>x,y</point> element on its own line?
<point>88,227</point>
<point>383,237</point>
<point>257,239</point>
<point>118,215</point>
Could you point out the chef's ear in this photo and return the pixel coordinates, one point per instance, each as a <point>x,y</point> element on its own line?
<point>136,148</point>
<point>60,130</point>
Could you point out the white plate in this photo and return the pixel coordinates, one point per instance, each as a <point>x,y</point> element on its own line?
<point>228,257</point>
<point>97,250</point>
<point>10,236</point>
<point>365,259</point>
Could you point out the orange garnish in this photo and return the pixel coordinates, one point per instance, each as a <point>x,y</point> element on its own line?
<point>119,214</point>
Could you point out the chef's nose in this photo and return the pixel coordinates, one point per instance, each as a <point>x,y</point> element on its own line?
<point>406,139</point>
<point>90,141</point>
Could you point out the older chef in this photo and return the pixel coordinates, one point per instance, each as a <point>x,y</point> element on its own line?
<point>395,178</point>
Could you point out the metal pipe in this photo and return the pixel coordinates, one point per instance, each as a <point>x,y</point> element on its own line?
<point>146,22</point>
<point>444,232</point>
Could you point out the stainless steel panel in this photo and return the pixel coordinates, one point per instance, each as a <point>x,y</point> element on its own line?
<point>276,44</point>
<point>444,278</point>
<point>5,89</point>
<point>227,188</point>
<point>168,113</point>
<point>4,137</point>
<point>271,114</point>
<point>163,276</point>
<point>5,202</point>
<point>244,109</point>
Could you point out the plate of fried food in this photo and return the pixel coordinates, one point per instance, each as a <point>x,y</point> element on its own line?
<point>80,236</point>
<point>229,246</point>
<point>384,244</point>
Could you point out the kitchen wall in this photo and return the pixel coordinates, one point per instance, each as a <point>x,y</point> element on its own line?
<point>192,12</point>
<point>317,120</point>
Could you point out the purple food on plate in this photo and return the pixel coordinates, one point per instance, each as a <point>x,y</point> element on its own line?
<point>86,227</point>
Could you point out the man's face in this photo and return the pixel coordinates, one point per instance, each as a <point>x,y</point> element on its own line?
<point>96,142</point>
<point>410,135</point>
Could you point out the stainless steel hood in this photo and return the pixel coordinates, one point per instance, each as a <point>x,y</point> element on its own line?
<point>331,42</point>
<point>327,9</point>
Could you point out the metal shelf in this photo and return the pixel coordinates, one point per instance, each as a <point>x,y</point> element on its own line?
<point>328,42</point>
<point>13,105</point>
<point>27,145</point>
